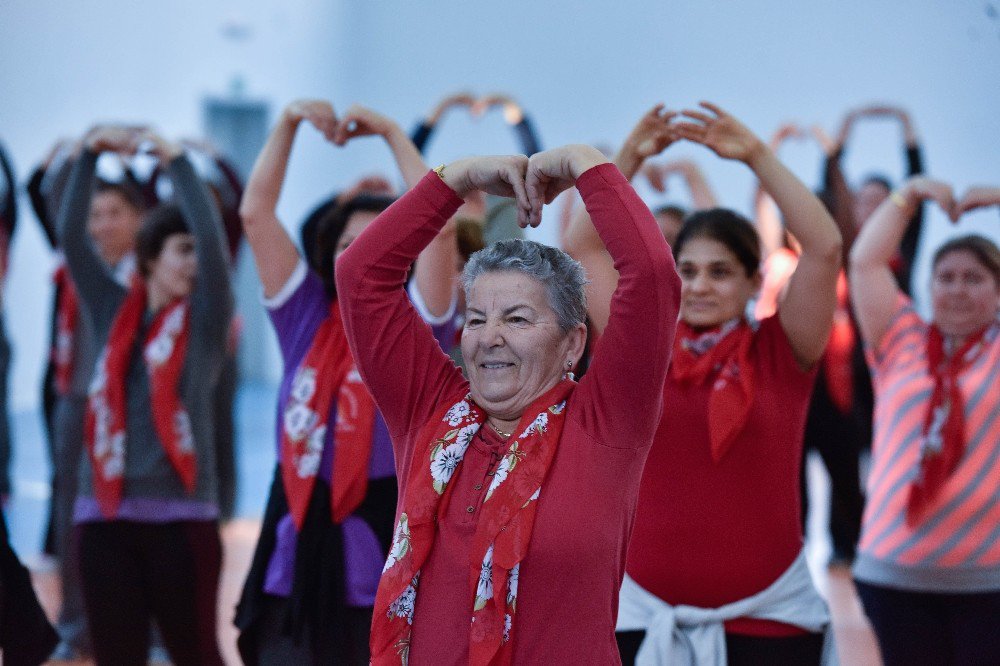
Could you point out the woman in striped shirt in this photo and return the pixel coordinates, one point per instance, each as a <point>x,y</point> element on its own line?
<point>928,569</point>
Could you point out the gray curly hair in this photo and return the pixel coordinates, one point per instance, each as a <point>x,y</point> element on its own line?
<point>562,275</point>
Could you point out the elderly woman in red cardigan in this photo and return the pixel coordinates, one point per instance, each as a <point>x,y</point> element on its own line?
<point>517,485</point>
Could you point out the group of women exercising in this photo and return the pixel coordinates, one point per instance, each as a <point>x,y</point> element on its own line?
<point>493,451</point>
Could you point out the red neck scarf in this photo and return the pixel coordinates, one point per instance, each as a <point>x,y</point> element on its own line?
<point>164,350</point>
<point>944,424</point>
<point>67,319</point>
<point>327,372</point>
<point>502,533</point>
<point>838,370</point>
<point>721,356</point>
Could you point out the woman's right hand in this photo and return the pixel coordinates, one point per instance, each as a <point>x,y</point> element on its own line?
<point>721,132</point>
<point>121,139</point>
<point>319,113</point>
<point>550,172</point>
<point>921,188</point>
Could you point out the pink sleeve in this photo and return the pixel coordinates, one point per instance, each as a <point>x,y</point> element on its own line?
<point>619,399</point>
<point>398,357</point>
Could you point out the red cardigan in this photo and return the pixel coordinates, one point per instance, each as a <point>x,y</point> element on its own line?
<point>569,579</point>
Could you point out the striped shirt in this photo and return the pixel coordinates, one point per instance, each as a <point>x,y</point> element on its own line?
<point>956,547</point>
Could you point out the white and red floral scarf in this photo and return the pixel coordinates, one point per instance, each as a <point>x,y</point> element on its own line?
<point>326,372</point>
<point>164,350</point>
<point>502,533</point>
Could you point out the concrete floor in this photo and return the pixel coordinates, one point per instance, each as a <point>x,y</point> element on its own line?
<point>27,508</point>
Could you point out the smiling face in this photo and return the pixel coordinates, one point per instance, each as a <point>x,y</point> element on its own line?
<point>714,284</point>
<point>173,271</point>
<point>965,294</point>
<point>513,346</point>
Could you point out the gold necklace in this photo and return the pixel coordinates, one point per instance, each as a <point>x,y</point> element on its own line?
<point>505,435</point>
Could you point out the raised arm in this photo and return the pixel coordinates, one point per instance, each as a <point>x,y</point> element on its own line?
<point>435,268</point>
<point>627,371</point>
<point>837,195</point>
<point>514,115</point>
<point>212,298</point>
<point>9,212</point>
<point>273,250</point>
<point>873,287</point>
<point>766,215</point>
<point>422,132</point>
<point>807,309</point>
<point>397,355</point>
<point>94,282</point>
<point>980,196</point>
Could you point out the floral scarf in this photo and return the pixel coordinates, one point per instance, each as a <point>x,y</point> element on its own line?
<point>721,355</point>
<point>502,533</point>
<point>944,424</point>
<point>327,372</point>
<point>164,350</point>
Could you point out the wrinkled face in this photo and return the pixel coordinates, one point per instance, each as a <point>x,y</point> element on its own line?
<point>867,199</point>
<point>965,295</point>
<point>714,285</point>
<point>513,347</point>
<point>175,268</point>
<point>356,223</point>
<point>113,223</point>
<point>670,225</point>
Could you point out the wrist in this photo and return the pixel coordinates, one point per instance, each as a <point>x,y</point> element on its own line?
<point>758,153</point>
<point>455,177</point>
<point>583,159</point>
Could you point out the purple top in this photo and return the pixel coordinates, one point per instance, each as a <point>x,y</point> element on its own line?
<point>296,314</point>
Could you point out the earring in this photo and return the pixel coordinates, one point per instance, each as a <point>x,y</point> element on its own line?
<point>569,363</point>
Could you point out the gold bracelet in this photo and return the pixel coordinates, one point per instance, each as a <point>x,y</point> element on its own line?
<point>439,170</point>
<point>899,200</point>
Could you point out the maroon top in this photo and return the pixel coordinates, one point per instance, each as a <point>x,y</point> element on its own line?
<point>568,584</point>
<point>707,534</point>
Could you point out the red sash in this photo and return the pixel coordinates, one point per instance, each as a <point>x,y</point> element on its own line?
<point>67,319</point>
<point>327,372</point>
<point>502,533</point>
<point>164,350</point>
<point>944,423</point>
<point>721,356</point>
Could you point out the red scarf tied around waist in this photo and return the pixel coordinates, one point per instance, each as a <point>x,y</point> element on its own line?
<point>944,424</point>
<point>327,371</point>
<point>721,356</point>
<point>502,532</point>
<point>164,350</point>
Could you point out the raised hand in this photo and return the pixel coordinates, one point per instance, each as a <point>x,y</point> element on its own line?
<point>317,112</point>
<point>726,136</point>
<point>657,174</point>
<point>981,196</point>
<point>464,98</point>
<point>372,184</point>
<point>826,142</point>
<point>121,139</point>
<point>921,188</point>
<point>512,112</point>
<point>155,144</point>
<point>502,175</point>
<point>650,136</point>
<point>552,171</point>
<point>362,121</point>
<point>785,131</point>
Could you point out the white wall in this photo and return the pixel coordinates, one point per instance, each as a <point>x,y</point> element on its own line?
<point>585,73</point>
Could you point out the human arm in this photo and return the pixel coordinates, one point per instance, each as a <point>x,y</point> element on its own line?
<point>514,115</point>
<point>93,278</point>
<point>873,286</point>
<point>9,204</point>
<point>807,309</point>
<point>980,196</point>
<point>628,367</point>
<point>422,132</point>
<point>434,271</point>
<point>274,252</point>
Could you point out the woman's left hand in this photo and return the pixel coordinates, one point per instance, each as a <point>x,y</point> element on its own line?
<point>502,175</point>
<point>721,132</point>
<point>362,121</point>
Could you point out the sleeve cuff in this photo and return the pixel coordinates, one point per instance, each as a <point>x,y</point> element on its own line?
<point>294,281</point>
<point>597,177</point>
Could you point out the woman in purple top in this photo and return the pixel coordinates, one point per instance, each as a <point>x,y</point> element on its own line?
<point>308,597</point>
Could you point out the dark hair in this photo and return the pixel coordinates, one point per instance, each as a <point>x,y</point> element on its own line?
<point>128,192</point>
<point>983,249</point>
<point>160,224</point>
<point>877,179</point>
<point>469,236</point>
<point>727,227</point>
<point>330,227</point>
<point>673,210</point>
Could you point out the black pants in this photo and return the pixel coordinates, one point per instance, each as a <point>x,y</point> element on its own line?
<point>916,628</point>
<point>277,647</point>
<point>744,650</point>
<point>134,572</point>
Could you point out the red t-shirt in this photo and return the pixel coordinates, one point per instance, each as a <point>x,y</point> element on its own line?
<point>707,534</point>
<point>569,579</point>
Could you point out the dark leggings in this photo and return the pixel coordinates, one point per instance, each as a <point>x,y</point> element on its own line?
<point>916,628</point>
<point>134,572</point>
<point>744,650</point>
